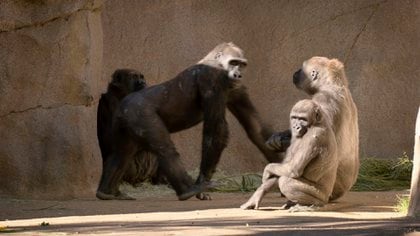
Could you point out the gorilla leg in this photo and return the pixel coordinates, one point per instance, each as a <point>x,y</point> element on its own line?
<point>256,198</point>
<point>114,169</point>
<point>158,139</point>
<point>302,192</point>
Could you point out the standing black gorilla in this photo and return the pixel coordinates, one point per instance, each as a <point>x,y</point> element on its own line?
<point>124,81</point>
<point>202,92</point>
<point>144,165</point>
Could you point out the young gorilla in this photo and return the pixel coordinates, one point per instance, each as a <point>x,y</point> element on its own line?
<point>124,81</point>
<point>326,81</point>
<point>202,92</point>
<point>307,175</point>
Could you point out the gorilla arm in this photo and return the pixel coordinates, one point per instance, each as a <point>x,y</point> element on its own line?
<point>107,104</point>
<point>215,129</point>
<point>242,108</point>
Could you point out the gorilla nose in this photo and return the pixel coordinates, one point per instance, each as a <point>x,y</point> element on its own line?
<point>296,76</point>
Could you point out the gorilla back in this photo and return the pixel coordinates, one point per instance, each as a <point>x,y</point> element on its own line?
<point>146,118</point>
<point>177,102</point>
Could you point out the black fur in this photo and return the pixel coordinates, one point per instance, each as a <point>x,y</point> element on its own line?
<point>124,81</point>
<point>144,166</point>
<point>145,119</point>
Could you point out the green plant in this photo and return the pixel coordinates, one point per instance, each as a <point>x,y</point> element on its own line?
<point>402,204</point>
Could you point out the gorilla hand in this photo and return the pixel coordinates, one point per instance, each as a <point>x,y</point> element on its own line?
<point>279,141</point>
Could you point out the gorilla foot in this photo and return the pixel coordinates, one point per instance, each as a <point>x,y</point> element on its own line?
<point>203,196</point>
<point>197,190</point>
<point>303,208</point>
<point>119,196</point>
<point>288,205</point>
<point>295,207</point>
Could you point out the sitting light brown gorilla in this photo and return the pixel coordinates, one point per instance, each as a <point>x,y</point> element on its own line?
<point>326,81</point>
<point>307,174</point>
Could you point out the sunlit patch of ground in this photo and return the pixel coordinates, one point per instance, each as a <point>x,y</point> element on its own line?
<point>368,213</point>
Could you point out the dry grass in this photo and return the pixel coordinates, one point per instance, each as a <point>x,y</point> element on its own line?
<point>402,204</point>
<point>375,175</point>
<point>384,174</point>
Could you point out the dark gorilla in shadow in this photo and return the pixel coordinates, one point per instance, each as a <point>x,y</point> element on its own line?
<point>144,165</point>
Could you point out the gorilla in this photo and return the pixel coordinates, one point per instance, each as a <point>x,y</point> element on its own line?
<point>325,80</point>
<point>124,81</point>
<point>144,120</point>
<point>307,174</point>
<point>144,165</point>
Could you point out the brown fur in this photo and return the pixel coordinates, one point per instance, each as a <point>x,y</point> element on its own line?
<point>330,90</point>
<point>307,174</point>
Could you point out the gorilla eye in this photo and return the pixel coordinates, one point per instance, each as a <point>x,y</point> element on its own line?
<point>234,62</point>
<point>314,74</point>
<point>237,63</point>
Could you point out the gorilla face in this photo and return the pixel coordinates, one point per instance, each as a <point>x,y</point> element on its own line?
<point>131,80</point>
<point>125,81</point>
<point>304,114</point>
<point>235,68</point>
<point>299,125</point>
<point>138,82</point>
<point>233,61</point>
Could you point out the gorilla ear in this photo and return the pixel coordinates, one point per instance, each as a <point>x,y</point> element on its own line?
<point>318,116</point>
<point>314,75</point>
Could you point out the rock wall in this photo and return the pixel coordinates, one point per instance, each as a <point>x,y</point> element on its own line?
<point>50,65</point>
<point>377,40</point>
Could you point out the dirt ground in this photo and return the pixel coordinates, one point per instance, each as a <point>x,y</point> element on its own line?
<point>357,213</point>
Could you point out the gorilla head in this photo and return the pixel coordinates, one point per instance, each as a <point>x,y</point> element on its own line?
<point>304,114</point>
<point>125,81</point>
<point>318,73</point>
<point>227,56</point>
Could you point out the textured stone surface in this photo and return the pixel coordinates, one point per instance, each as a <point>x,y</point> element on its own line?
<point>50,64</point>
<point>377,40</point>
